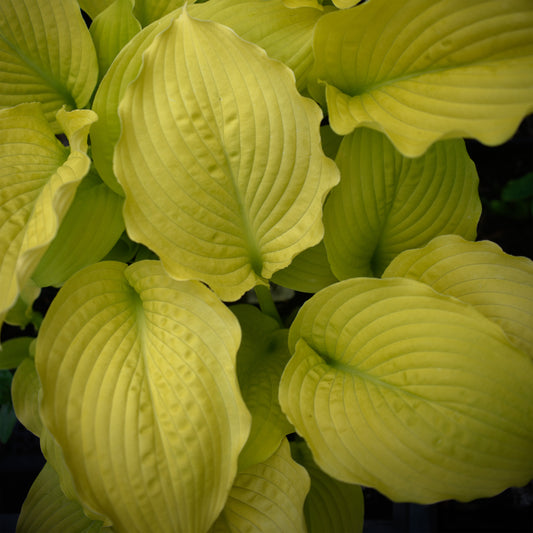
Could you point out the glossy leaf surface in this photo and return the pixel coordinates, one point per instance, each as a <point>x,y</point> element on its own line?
<point>397,387</point>
<point>387,203</point>
<point>497,284</point>
<point>222,189</point>
<point>424,70</point>
<point>140,392</point>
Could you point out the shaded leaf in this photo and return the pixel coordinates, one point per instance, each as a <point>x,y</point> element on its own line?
<point>14,351</point>
<point>148,11</point>
<point>25,392</point>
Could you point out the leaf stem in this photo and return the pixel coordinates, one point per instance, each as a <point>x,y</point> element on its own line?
<point>266,302</point>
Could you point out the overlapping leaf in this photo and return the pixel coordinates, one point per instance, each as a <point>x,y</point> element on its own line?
<point>38,181</point>
<point>268,496</point>
<point>424,70</point>
<point>220,159</point>
<point>387,203</point>
<point>25,392</point>
<point>417,394</point>
<point>140,392</point>
<point>497,284</point>
<point>46,55</point>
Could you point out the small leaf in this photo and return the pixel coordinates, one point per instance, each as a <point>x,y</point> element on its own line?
<point>254,175</point>
<point>267,496</point>
<point>140,392</point>
<point>397,387</point>
<point>387,203</point>
<point>21,314</point>
<point>262,356</point>
<point>14,351</point>
<point>7,422</point>
<point>25,392</point>
<point>421,70</point>
<point>46,508</point>
<point>498,285</point>
<point>46,55</point>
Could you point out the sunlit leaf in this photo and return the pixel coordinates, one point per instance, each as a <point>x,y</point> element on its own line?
<point>267,497</point>
<point>139,390</point>
<point>25,392</point>
<point>111,30</point>
<point>387,203</point>
<point>331,505</point>
<point>91,227</point>
<point>14,351</point>
<point>46,508</point>
<point>38,181</point>
<point>262,356</point>
<point>497,284</point>
<point>400,388</point>
<point>46,55</point>
<point>197,146</point>
<point>424,70</point>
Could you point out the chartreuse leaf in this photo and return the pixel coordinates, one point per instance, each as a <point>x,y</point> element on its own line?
<point>46,508</point>
<point>140,392</point>
<point>14,351</point>
<point>38,180</point>
<point>46,55</point>
<point>331,505</point>
<point>91,227</point>
<point>111,30</point>
<point>387,203</point>
<point>262,356</point>
<point>231,194</point>
<point>268,496</point>
<point>22,314</point>
<point>308,272</point>
<point>400,388</point>
<point>94,7</point>
<point>498,285</point>
<point>421,70</point>
<point>148,11</point>
<point>25,392</point>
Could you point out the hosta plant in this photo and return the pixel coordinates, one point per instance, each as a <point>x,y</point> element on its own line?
<point>164,165</point>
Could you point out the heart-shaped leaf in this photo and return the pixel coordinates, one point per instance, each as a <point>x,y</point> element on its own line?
<point>387,203</point>
<point>46,55</point>
<point>139,390</point>
<point>498,285</point>
<point>414,393</point>
<point>222,189</point>
<point>424,70</point>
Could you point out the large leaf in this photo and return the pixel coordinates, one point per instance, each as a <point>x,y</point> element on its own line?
<point>220,159</point>
<point>387,203</point>
<point>261,359</point>
<point>414,393</point>
<point>46,55</point>
<point>139,390</point>
<point>497,284</point>
<point>424,70</point>
<point>267,497</point>
<point>46,508</point>
<point>38,181</point>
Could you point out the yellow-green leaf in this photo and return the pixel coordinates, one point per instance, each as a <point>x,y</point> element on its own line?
<point>387,203</point>
<point>94,7</point>
<point>14,351</point>
<point>267,497</point>
<point>424,70</point>
<point>148,11</point>
<point>139,390</point>
<point>38,181</point>
<point>25,392</point>
<point>220,159</point>
<point>497,284</point>
<point>400,388</point>
<point>46,508</point>
<point>46,55</point>
<point>262,356</point>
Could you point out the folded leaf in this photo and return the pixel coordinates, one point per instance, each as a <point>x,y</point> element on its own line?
<point>38,181</point>
<point>498,285</point>
<point>140,392</point>
<point>414,393</point>
<point>424,70</point>
<point>221,188</point>
<point>268,496</point>
<point>387,203</point>
<point>46,55</point>
<point>94,7</point>
<point>46,508</point>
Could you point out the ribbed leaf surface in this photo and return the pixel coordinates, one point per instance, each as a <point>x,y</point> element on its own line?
<point>220,159</point>
<point>417,394</point>
<point>140,392</point>
<point>497,284</point>
<point>424,70</point>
